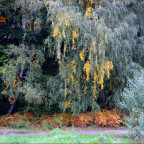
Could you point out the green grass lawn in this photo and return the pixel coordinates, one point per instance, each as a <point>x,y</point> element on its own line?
<point>59,136</point>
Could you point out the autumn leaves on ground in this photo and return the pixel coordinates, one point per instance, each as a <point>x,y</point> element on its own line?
<point>103,118</point>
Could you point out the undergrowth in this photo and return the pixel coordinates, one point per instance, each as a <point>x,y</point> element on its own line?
<point>28,119</point>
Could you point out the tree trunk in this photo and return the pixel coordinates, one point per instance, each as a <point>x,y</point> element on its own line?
<point>12,106</point>
<point>21,72</point>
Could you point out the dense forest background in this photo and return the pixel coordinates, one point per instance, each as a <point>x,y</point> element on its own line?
<point>71,56</point>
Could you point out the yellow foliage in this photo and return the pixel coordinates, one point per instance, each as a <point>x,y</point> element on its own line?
<point>67,23</point>
<point>101,79</point>
<point>65,88</point>
<point>99,71</point>
<point>87,69</point>
<point>74,33</point>
<point>99,74</point>
<point>88,12</point>
<point>30,26</point>
<point>82,55</point>
<point>88,8</point>
<point>63,33</point>
<point>70,92</point>
<point>85,89</point>
<point>108,67</point>
<point>72,79</point>
<point>3,91</point>
<point>11,99</point>
<point>95,77</point>
<point>66,13</point>
<point>91,1</point>
<point>4,81</point>
<point>56,30</point>
<point>73,48</point>
<point>74,36</point>
<point>14,83</point>
<point>68,103</point>
<point>73,65</point>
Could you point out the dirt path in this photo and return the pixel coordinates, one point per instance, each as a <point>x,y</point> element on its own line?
<point>102,132</point>
<point>7,132</point>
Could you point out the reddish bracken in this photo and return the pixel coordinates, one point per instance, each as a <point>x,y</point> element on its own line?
<point>35,125</point>
<point>107,118</point>
<point>43,118</point>
<point>5,120</point>
<point>102,118</point>
<point>50,121</point>
<point>29,116</point>
<point>64,118</point>
<point>82,120</point>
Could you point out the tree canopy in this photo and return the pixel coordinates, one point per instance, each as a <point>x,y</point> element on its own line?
<point>76,54</point>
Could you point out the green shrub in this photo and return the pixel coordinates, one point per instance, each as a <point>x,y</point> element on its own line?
<point>45,126</point>
<point>19,124</point>
<point>136,126</point>
<point>132,102</point>
<point>56,132</point>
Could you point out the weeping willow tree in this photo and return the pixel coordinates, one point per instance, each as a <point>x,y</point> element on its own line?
<point>94,44</point>
<point>80,45</point>
<point>88,45</point>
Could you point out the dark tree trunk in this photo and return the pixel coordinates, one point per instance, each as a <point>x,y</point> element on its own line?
<point>21,72</point>
<point>12,106</point>
<point>17,97</point>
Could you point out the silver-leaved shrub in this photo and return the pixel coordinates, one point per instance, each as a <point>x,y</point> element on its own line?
<point>132,102</point>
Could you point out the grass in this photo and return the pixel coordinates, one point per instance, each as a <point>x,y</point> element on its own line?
<point>59,136</point>
<point>65,128</point>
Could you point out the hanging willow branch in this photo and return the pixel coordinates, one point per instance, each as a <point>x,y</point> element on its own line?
<point>82,61</point>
